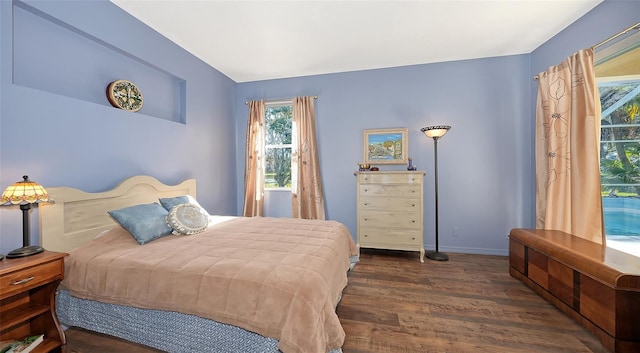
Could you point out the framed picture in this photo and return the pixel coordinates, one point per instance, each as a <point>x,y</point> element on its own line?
<point>386,146</point>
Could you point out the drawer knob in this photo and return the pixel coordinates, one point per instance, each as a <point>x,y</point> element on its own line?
<point>22,281</point>
<point>366,204</point>
<point>413,221</point>
<point>365,190</point>
<point>365,235</point>
<point>413,238</point>
<point>366,219</point>
<point>413,205</point>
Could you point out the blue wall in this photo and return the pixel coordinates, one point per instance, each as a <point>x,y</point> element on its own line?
<point>75,138</point>
<point>483,160</point>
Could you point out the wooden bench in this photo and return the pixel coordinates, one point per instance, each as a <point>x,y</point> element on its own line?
<point>597,286</point>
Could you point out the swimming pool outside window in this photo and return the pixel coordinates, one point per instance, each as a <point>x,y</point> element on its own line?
<point>618,76</point>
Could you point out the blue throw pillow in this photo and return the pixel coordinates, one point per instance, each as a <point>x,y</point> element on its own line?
<point>144,222</point>
<point>171,202</point>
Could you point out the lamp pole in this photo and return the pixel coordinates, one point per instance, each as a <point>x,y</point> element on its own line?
<point>436,255</point>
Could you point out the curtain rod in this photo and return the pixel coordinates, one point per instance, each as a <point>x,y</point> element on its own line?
<point>280,100</point>
<point>624,31</point>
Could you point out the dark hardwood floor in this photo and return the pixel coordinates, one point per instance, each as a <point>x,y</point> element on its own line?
<point>395,304</point>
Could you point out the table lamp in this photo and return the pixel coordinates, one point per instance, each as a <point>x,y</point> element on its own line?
<point>24,193</point>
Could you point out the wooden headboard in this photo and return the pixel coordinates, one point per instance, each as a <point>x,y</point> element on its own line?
<point>77,217</point>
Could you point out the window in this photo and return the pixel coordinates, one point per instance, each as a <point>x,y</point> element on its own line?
<point>278,132</point>
<point>618,75</point>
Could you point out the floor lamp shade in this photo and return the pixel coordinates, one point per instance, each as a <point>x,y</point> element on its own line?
<point>436,132</point>
<point>24,193</point>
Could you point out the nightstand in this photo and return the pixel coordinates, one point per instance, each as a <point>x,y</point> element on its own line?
<point>27,299</point>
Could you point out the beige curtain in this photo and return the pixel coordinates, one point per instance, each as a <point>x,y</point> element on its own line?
<point>307,199</point>
<point>253,168</point>
<point>567,142</point>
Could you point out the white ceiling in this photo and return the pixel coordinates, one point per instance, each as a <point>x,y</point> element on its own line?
<point>259,40</point>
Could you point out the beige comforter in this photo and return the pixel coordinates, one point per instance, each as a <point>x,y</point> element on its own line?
<point>278,277</point>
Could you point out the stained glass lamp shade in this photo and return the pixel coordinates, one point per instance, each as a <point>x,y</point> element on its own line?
<point>24,193</point>
<point>436,131</point>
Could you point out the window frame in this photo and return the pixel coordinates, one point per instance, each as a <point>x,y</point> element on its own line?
<point>616,75</point>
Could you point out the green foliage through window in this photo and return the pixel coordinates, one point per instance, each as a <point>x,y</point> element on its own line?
<point>279,122</point>
<point>620,138</point>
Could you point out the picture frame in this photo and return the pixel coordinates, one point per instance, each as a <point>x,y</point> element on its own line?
<point>386,146</point>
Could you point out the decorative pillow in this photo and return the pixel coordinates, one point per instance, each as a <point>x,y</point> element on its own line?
<point>172,202</point>
<point>145,222</point>
<point>187,219</point>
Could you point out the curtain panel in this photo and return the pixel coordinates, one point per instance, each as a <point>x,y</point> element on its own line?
<point>254,159</point>
<point>567,144</point>
<point>307,199</point>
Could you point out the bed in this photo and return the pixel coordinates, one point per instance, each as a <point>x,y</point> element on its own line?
<point>240,284</point>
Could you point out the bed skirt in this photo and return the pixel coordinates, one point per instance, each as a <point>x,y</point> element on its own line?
<point>168,331</point>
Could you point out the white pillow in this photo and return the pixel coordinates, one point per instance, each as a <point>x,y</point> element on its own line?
<point>187,219</point>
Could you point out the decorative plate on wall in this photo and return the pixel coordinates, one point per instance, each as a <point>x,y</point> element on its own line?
<point>124,95</point>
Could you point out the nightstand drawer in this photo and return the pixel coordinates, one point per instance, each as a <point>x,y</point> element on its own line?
<point>389,236</point>
<point>406,190</point>
<point>390,219</point>
<point>30,277</point>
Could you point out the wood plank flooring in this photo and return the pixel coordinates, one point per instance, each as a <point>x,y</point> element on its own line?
<point>395,304</point>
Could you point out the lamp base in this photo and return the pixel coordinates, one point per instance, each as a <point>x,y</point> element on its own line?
<point>436,255</point>
<point>25,251</point>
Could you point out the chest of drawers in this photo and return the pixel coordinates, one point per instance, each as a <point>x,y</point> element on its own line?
<point>390,210</point>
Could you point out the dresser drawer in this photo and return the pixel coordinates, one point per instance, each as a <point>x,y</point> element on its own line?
<point>31,277</point>
<point>380,203</point>
<point>389,178</point>
<point>390,237</point>
<point>405,190</point>
<point>390,219</point>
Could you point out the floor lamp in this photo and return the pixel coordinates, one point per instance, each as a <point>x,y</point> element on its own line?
<point>24,193</point>
<point>436,132</point>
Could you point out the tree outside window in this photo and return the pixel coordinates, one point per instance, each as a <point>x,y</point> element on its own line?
<point>279,122</point>
<point>620,138</point>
